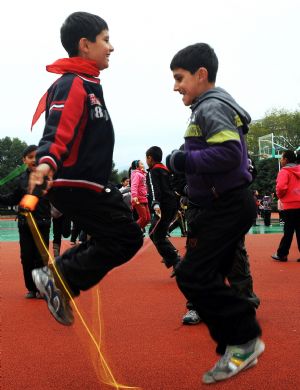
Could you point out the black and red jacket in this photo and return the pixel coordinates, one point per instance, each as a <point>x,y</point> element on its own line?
<point>160,191</point>
<point>78,138</point>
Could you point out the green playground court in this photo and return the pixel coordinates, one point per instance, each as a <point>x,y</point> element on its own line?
<point>9,229</point>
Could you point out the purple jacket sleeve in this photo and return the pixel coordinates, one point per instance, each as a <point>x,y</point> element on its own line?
<point>215,158</point>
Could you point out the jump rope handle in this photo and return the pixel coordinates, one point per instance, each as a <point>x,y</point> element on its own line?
<point>29,201</point>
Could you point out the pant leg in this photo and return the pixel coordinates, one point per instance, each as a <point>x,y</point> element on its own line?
<point>57,229</point>
<point>288,232</point>
<point>143,212</point>
<point>159,236</point>
<point>30,256</point>
<point>115,236</point>
<point>296,214</point>
<point>267,217</point>
<point>212,238</point>
<point>240,278</point>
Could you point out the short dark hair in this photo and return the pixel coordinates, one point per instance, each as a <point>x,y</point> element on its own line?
<point>123,179</point>
<point>196,56</point>
<point>289,155</point>
<point>155,152</point>
<point>29,149</point>
<point>80,25</point>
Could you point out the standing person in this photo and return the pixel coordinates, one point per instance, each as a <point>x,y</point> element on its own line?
<point>61,228</point>
<point>255,197</point>
<point>126,191</point>
<point>75,233</point>
<point>266,204</point>
<point>221,208</point>
<point>288,192</point>
<point>163,205</point>
<point>139,192</point>
<point>30,256</point>
<point>76,154</point>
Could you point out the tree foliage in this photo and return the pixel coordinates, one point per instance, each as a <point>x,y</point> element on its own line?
<point>11,150</point>
<point>114,178</point>
<point>282,123</point>
<point>265,180</point>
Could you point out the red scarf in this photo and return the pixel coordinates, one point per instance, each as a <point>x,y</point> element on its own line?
<point>74,65</point>
<point>160,165</point>
<point>66,65</point>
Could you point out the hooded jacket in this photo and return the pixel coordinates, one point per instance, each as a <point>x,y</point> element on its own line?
<point>138,185</point>
<point>78,138</point>
<point>288,186</point>
<point>217,159</point>
<point>42,212</point>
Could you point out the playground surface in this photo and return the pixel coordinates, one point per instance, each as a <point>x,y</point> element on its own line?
<point>142,338</point>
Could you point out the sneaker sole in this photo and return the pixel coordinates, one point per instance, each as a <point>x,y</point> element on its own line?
<point>191,323</point>
<point>246,364</point>
<point>43,290</point>
<point>210,379</point>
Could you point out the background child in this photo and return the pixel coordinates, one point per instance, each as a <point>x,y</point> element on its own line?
<point>288,192</point>
<point>163,205</point>
<point>126,191</point>
<point>30,256</point>
<point>139,192</point>
<point>61,228</point>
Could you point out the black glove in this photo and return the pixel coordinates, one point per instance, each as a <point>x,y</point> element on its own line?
<point>175,161</point>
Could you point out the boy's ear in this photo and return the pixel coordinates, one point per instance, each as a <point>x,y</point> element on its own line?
<point>202,74</point>
<point>83,45</point>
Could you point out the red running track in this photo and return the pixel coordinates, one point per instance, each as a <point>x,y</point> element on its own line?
<point>143,340</point>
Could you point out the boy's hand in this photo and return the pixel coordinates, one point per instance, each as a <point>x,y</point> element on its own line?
<point>175,161</point>
<point>157,210</point>
<point>37,178</point>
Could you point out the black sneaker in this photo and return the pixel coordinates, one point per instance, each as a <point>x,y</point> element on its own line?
<point>58,304</point>
<point>30,295</point>
<point>191,318</point>
<point>278,258</point>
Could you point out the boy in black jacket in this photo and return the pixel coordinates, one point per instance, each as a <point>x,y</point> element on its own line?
<point>30,256</point>
<point>163,204</point>
<point>76,154</point>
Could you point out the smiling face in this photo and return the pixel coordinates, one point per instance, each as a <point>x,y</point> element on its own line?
<point>190,85</point>
<point>141,165</point>
<point>98,51</point>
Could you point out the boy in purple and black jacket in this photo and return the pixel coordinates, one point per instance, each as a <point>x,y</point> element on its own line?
<point>221,209</point>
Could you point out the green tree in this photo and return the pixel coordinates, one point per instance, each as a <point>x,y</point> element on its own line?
<point>285,125</point>
<point>282,123</point>
<point>11,150</point>
<point>114,175</point>
<point>123,173</point>
<point>265,180</point>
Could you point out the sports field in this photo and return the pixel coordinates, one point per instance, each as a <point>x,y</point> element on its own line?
<point>9,229</point>
<point>139,308</point>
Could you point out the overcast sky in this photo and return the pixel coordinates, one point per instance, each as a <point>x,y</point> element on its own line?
<point>256,41</point>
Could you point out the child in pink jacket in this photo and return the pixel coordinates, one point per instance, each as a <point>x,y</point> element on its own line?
<point>139,192</point>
